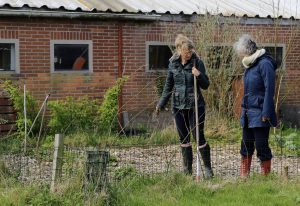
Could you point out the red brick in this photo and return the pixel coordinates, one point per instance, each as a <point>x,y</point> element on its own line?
<point>35,37</point>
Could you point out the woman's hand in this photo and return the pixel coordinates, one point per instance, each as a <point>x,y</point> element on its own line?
<point>157,110</point>
<point>195,71</point>
<point>265,119</point>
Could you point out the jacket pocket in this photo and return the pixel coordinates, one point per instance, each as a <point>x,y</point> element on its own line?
<point>191,99</point>
<point>256,102</point>
<point>254,117</point>
<point>176,99</point>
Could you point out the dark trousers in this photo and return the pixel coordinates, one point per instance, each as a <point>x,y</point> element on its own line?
<point>258,138</point>
<point>186,124</point>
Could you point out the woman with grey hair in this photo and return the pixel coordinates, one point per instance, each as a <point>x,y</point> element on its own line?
<point>258,110</point>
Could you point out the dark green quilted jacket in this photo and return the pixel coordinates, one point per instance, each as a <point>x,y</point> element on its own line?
<point>180,83</point>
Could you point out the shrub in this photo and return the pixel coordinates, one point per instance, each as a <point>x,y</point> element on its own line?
<point>286,140</point>
<point>16,95</point>
<point>85,115</point>
<point>291,141</point>
<point>126,172</point>
<point>222,65</point>
<point>71,115</point>
<point>108,111</point>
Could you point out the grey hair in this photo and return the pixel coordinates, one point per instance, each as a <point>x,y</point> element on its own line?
<point>245,46</point>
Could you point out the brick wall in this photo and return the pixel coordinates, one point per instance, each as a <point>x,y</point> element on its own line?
<point>139,92</point>
<point>34,38</point>
<point>7,115</point>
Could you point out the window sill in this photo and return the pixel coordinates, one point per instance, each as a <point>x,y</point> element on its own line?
<point>8,72</point>
<point>72,72</point>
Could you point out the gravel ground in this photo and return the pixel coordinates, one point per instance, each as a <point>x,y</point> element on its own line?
<point>147,160</point>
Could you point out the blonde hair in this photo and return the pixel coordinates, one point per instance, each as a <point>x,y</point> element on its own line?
<point>180,38</point>
<point>182,41</point>
<point>189,45</point>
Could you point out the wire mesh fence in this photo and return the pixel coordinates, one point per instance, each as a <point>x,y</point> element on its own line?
<point>115,162</point>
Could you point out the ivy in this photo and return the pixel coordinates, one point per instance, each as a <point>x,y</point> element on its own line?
<point>108,111</point>
<point>16,95</point>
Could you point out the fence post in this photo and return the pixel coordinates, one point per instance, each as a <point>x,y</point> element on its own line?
<point>96,169</point>
<point>57,160</point>
<point>286,172</point>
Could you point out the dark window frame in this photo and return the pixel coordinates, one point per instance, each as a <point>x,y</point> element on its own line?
<point>278,46</point>
<point>262,45</point>
<point>166,59</point>
<point>14,56</point>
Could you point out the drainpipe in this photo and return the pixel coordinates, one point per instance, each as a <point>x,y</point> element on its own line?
<point>120,72</point>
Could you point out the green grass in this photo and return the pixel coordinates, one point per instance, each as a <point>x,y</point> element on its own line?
<point>222,130</point>
<point>69,193</point>
<point>165,136</point>
<point>216,132</point>
<point>162,190</point>
<point>181,190</point>
<point>14,143</point>
<point>285,140</point>
<point>292,132</point>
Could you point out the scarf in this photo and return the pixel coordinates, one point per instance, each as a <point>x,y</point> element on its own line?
<point>250,60</point>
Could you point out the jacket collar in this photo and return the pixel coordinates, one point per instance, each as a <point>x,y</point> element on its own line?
<point>248,61</point>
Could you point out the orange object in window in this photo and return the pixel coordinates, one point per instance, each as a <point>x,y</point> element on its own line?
<point>80,61</point>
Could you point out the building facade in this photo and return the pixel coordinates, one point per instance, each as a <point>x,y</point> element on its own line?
<point>78,53</point>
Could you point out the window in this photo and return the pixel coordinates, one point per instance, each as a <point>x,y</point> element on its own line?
<point>157,56</point>
<point>219,57</point>
<point>9,53</point>
<point>71,56</point>
<point>222,56</point>
<point>276,53</point>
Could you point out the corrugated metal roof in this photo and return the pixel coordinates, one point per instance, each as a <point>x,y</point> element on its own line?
<point>51,4</point>
<point>250,8</point>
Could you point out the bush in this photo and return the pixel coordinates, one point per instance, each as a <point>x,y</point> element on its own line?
<point>222,66</point>
<point>286,138</point>
<point>108,111</point>
<point>16,95</point>
<point>71,115</point>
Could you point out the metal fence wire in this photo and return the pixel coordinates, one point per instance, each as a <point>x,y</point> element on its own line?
<point>111,163</point>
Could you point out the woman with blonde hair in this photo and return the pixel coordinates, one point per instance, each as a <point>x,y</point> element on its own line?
<point>179,84</point>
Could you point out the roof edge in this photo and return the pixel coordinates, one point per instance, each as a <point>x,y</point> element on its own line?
<point>72,14</point>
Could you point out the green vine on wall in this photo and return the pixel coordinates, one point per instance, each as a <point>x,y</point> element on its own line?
<point>108,111</point>
<point>16,95</point>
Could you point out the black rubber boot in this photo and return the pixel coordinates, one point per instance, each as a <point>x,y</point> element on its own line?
<point>205,153</point>
<point>187,157</point>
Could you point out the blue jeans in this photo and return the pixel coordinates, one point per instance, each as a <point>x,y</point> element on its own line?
<point>186,124</point>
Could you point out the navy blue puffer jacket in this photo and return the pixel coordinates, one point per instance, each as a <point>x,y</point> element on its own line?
<point>259,89</point>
